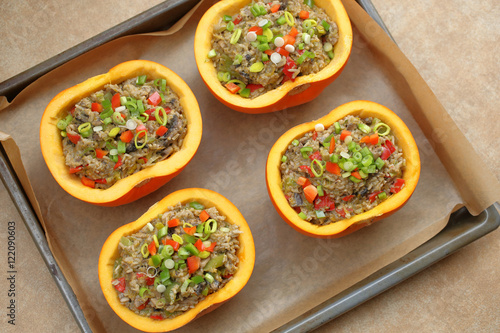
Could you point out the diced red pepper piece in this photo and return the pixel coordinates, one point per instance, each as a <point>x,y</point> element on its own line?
<point>161,130</point>
<point>154,99</point>
<point>115,101</point>
<point>282,51</point>
<point>390,146</point>
<point>72,111</point>
<point>211,247</point>
<point>173,223</point>
<point>293,32</point>
<point>157,317</point>
<point>151,114</point>
<point>101,181</point>
<point>275,8</point>
<point>340,211</point>
<point>289,39</point>
<point>257,30</point>
<point>344,134</point>
<point>100,153</point>
<point>315,156</point>
<point>332,146</point>
<point>356,174</point>
<point>324,202</point>
<point>171,242</point>
<point>333,168</point>
<point>127,136</point>
<point>348,197</point>
<point>385,153</point>
<point>315,135</point>
<point>150,281</point>
<point>233,88</point>
<point>142,129</point>
<point>307,169</point>
<point>143,159</point>
<point>73,138</point>
<point>193,264</point>
<point>237,19</point>
<point>254,87</point>
<point>96,107</point>
<point>190,230</point>
<point>365,139</point>
<point>398,185</point>
<point>268,52</point>
<point>290,64</point>
<point>297,209</point>
<point>75,169</point>
<point>152,248</point>
<point>373,196</point>
<point>140,275</point>
<point>199,245</point>
<point>120,286</point>
<point>374,139</point>
<point>88,182</point>
<point>143,305</point>
<point>119,163</point>
<point>204,216</point>
<point>310,192</point>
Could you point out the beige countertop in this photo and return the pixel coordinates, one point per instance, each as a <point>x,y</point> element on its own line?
<point>453,44</point>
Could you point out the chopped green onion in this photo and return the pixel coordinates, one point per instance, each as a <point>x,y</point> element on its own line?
<point>327,47</point>
<point>197,279</point>
<point>325,25</point>
<point>308,24</point>
<point>122,147</point>
<point>382,195</point>
<point>118,119</point>
<point>364,128</point>
<point>348,166</point>
<point>256,67</point>
<point>142,291</point>
<point>236,36</point>
<point>262,39</point>
<point>123,100</point>
<point>363,174</point>
<point>162,232</point>
<point>295,142</point>
<point>379,163</point>
<point>107,121</point>
<point>178,239</point>
<point>140,106</point>
<point>263,47</point>
<point>169,263</point>
<point>61,124</point>
<point>85,127</point>
<point>268,33</point>
<point>301,59</point>
<point>165,275</point>
<point>354,179</point>
<point>320,29</point>
<point>321,168</point>
<point>367,160</point>
<point>281,20</point>
<point>265,57</point>
<point>238,59</point>
<point>209,278</point>
<point>144,250</point>
<point>230,26</point>
<point>145,139</point>
<point>185,286</point>
<point>305,150</point>
<point>211,53</point>
<point>245,92</point>
<point>204,254</point>
<point>310,3</point>
<point>141,80</point>
<point>372,168</point>
<point>306,38</point>
<point>284,159</point>
<point>337,127</point>
<point>320,190</point>
<point>382,133</point>
<point>125,241</point>
<point>301,46</point>
<point>330,54</point>
<point>210,226</point>
<point>196,205</point>
<point>365,151</point>
<point>192,249</point>
<point>290,20</point>
<point>228,18</point>
<point>320,214</point>
<point>155,239</point>
<point>168,249</point>
<point>346,174</point>
<point>68,119</point>
<point>302,215</point>
<point>163,85</point>
<point>351,145</point>
<point>334,158</point>
<point>183,253</point>
<point>161,116</point>
<point>357,156</point>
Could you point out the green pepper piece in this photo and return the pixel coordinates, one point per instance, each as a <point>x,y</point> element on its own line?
<point>125,241</point>
<point>215,263</point>
<point>188,238</point>
<point>166,293</point>
<point>197,279</point>
<point>192,249</point>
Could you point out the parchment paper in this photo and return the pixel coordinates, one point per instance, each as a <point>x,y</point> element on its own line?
<point>293,272</point>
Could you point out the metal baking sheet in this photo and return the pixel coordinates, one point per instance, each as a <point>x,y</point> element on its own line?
<point>461,229</point>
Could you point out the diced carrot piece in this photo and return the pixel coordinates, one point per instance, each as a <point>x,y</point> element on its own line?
<point>293,32</point>
<point>88,182</point>
<point>190,231</point>
<point>282,51</point>
<point>289,40</point>
<point>96,107</point>
<point>356,175</point>
<point>310,193</point>
<point>303,181</point>
<point>173,223</point>
<point>99,153</point>
<point>275,8</point>
<point>365,139</point>
<point>127,136</point>
<point>332,146</point>
<point>374,139</point>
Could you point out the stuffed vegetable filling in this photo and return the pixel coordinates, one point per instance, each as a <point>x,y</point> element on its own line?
<point>175,261</point>
<point>345,170</point>
<point>270,42</point>
<point>122,129</point>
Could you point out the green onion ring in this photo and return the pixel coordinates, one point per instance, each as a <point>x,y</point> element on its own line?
<point>118,119</point>
<point>236,36</point>
<point>144,118</point>
<point>290,20</point>
<point>144,250</point>
<point>387,129</point>
<point>161,120</point>
<point>177,238</point>
<point>145,139</point>
<point>85,127</point>
<point>318,163</point>
<point>210,229</point>
<point>169,249</point>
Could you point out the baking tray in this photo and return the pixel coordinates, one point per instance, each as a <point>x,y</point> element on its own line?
<point>461,229</point>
